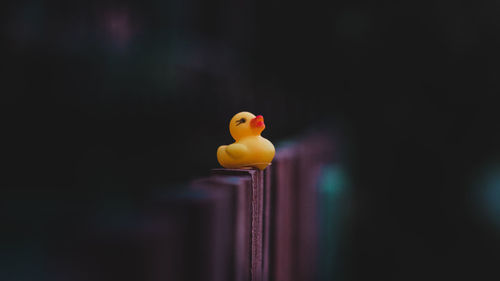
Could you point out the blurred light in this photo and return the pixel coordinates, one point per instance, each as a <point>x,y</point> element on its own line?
<point>27,25</point>
<point>489,194</point>
<point>118,27</point>
<point>333,196</point>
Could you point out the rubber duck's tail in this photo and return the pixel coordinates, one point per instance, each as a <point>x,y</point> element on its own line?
<point>221,155</point>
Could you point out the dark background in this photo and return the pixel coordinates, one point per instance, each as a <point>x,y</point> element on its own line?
<point>105,101</point>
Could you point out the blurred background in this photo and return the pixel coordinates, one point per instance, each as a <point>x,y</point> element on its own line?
<point>105,102</point>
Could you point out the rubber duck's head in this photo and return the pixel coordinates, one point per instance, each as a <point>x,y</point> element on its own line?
<point>246,124</point>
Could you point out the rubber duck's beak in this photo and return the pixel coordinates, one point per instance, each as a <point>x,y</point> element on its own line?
<point>257,122</point>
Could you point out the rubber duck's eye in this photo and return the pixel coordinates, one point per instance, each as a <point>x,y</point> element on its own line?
<point>240,121</point>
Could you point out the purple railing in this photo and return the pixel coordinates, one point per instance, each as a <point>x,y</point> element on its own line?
<point>274,211</point>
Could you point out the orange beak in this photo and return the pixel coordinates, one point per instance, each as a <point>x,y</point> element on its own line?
<point>257,122</point>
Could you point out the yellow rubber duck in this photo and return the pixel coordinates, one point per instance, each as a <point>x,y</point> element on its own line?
<point>250,149</point>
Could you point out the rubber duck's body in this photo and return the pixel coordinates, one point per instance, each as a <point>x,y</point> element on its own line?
<point>250,149</point>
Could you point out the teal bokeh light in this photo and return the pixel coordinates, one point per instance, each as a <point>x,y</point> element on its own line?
<point>333,198</point>
<point>489,194</point>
